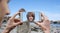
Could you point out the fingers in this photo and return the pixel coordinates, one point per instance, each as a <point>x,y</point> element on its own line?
<point>43,17</point>
<point>17,22</point>
<point>13,17</point>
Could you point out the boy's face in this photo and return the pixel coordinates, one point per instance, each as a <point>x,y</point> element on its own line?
<point>4,10</point>
<point>30,18</point>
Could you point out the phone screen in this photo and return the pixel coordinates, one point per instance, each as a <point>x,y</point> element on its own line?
<point>24,16</point>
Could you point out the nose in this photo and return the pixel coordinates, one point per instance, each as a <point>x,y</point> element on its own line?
<point>7,13</point>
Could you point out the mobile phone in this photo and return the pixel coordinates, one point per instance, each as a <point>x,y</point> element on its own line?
<point>24,16</point>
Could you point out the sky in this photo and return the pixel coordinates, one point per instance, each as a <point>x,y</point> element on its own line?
<point>51,8</point>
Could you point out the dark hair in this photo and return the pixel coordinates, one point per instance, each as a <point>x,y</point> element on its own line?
<point>30,14</point>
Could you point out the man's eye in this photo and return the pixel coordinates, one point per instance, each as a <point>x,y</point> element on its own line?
<point>8,1</point>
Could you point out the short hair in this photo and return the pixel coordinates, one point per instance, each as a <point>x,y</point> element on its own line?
<point>30,14</point>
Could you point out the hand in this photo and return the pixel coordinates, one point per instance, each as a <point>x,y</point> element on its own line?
<point>12,23</point>
<point>44,23</point>
<point>43,17</point>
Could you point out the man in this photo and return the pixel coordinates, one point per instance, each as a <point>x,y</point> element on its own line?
<point>25,28</point>
<point>44,23</point>
<point>4,10</point>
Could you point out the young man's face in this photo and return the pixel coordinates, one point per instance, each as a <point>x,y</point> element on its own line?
<point>4,10</point>
<point>30,18</point>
